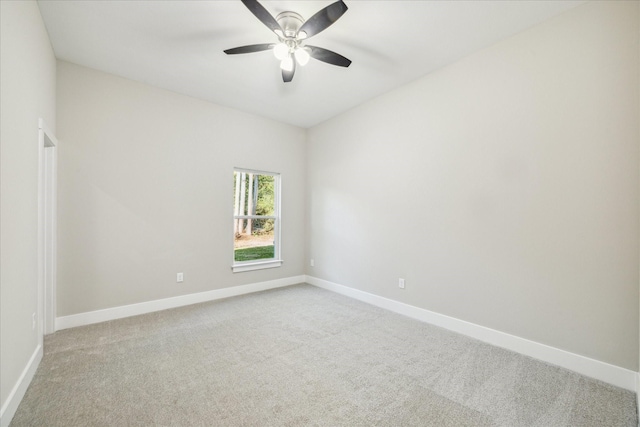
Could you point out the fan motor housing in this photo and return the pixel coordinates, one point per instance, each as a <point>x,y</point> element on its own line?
<point>290,23</point>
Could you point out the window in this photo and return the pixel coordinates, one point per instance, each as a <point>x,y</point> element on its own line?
<point>256,220</point>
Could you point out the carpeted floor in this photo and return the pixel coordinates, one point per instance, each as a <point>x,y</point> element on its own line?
<point>301,356</point>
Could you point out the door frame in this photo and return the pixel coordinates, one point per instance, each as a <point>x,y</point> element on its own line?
<point>47,229</point>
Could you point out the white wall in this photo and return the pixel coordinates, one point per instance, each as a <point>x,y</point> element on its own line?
<point>504,188</point>
<point>27,87</point>
<point>145,190</point>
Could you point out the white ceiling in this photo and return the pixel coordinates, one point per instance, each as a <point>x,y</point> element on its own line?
<point>177,45</point>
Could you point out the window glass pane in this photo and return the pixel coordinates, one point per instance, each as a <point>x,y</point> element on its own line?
<point>256,241</point>
<point>265,201</point>
<point>254,194</point>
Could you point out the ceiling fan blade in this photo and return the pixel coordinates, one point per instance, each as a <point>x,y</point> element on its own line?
<point>328,56</point>
<point>287,76</point>
<point>323,19</point>
<point>263,15</point>
<point>249,49</point>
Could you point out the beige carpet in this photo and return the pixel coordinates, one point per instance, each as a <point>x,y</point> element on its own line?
<point>301,356</point>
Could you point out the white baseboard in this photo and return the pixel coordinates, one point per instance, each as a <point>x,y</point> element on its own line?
<point>163,304</point>
<point>638,396</point>
<point>602,371</point>
<point>20,388</point>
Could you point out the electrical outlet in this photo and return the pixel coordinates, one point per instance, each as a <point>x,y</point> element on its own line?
<point>401,283</point>
<point>180,277</point>
<point>33,321</point>
<point>312,263</point>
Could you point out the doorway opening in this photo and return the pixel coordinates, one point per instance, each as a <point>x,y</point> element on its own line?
<point>47,230</point>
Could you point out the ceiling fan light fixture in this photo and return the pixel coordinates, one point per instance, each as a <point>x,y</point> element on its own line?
<point>302,56</point>
<point>281,51</point>
<point>287,63</point>
<point>293,31</point>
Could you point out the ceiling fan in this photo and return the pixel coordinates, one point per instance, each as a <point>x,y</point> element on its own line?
<point>292,32</point>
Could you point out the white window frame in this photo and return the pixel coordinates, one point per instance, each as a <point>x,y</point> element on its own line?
<point>276,261</point>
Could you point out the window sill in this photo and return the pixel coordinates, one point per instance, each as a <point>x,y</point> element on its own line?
<point>260,265</point>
